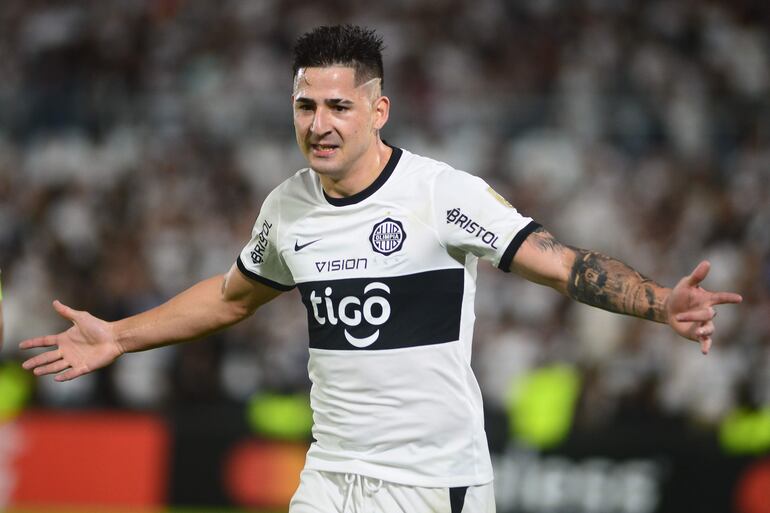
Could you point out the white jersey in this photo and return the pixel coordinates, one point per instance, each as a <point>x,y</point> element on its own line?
<point>388,277</point>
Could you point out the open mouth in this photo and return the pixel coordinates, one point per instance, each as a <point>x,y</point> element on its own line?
<point>323,150</point>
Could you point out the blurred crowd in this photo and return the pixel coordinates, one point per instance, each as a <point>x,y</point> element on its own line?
<point>138,139</point>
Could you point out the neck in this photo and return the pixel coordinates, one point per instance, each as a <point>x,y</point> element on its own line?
<point>361,175</point>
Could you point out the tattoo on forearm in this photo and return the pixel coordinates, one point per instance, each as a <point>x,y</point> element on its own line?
<point>545,241</point>
<point>604,282</point>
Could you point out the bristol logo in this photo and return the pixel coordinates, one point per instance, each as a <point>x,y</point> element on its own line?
<point>350,311</point>
<point>387,236</point>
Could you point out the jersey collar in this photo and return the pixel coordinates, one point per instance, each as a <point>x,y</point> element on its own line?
<point>395,156</point>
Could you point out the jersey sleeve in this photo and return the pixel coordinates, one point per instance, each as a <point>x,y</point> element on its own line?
<point>261,258</point>
<point>472,217</point>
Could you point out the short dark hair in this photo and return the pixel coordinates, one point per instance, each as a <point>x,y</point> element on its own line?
<point>341,45</point>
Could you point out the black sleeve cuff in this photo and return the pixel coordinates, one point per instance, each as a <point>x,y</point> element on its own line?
<point>261,279</point>
<point>513,247</point>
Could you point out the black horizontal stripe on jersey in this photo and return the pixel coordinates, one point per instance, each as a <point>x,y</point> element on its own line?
<point>261,279</point>
<point>424,309</point>
<point>513,247</point>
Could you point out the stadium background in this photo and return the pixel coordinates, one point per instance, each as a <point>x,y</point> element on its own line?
<point>138,139</point>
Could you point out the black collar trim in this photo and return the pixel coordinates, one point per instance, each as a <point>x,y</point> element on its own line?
<point>374,187</point>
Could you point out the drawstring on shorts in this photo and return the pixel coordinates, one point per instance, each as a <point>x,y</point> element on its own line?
<point>367,488</point>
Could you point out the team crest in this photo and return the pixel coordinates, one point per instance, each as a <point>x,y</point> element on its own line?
<point>387,236</point>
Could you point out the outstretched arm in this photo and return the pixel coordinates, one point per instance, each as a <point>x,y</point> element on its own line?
<point>92,343</point>
<point>602,281</point>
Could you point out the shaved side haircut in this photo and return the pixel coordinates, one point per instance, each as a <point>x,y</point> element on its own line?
<point>341,45</point>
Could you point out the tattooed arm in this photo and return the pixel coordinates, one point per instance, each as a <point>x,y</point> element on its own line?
<point>589,277</point>
<point>602,281</point>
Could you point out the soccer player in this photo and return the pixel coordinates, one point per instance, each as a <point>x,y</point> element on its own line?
<point>383,246</point>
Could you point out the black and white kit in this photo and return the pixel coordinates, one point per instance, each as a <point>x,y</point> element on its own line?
<point>388,277</point>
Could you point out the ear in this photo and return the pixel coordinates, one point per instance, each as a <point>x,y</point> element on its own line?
<point>381,112</point>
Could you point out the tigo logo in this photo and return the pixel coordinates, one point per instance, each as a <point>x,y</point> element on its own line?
<point>350,311</point>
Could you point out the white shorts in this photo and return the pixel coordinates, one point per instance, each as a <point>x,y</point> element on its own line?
<point>332,492</point>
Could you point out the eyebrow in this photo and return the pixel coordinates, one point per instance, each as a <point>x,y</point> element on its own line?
<point>332,102</point>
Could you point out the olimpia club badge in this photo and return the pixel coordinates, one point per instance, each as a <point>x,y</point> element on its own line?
<point>387,236</point>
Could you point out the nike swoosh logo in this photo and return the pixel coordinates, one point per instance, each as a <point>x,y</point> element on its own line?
<point>298,247</point>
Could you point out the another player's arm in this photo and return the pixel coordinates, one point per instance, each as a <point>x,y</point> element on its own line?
<point>92,343</point>
<point>598,280</point>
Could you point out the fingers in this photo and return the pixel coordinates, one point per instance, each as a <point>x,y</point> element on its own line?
<point>705,328</point>
<point>720,298</point>
<point>705,345</point>
<point>700,315</point>
<point>70,374</point>
<point>699,273</point>
<point>42,359</point>
<point>705,331</point>
<point>51,368</point>
<point>49,362</point>
<point>47,341</point>
<point>65,311</point>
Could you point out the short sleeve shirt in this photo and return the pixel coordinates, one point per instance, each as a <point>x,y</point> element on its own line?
<point>387,277</point>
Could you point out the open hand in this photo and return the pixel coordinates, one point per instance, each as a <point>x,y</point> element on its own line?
<point>690,308</point>
<point>88,345</point>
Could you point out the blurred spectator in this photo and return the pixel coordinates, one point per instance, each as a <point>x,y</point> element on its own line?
<point>138,140</point>
<point>2,331</point>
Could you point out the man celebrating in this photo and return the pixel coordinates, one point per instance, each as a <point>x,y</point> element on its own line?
<point>383,245</point>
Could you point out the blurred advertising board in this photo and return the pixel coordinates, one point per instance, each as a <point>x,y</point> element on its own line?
<point>208,456</point>
<point>65,460</point>
<point>643,470</point>
<point>217,461</point>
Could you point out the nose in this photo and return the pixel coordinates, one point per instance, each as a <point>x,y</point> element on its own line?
<point>320,124</point>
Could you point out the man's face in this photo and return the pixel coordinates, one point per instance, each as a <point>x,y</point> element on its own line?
<point>335,120</point>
